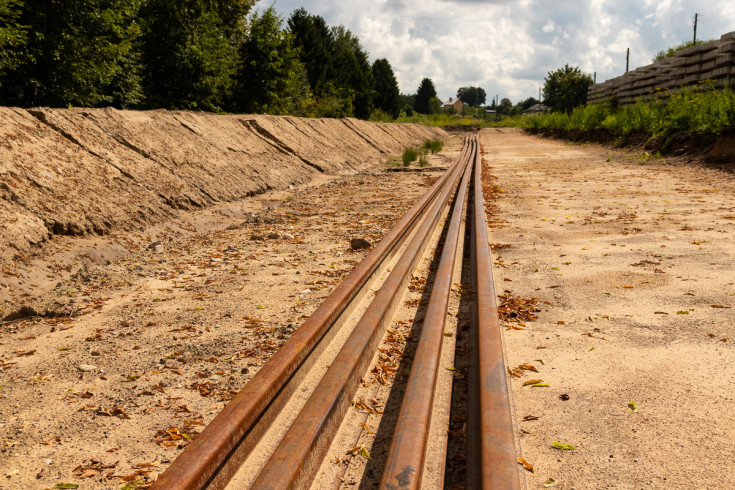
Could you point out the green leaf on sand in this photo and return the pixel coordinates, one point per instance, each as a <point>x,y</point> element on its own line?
<point>565,447</point>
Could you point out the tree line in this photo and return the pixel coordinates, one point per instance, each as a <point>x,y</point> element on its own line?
<point>213,55</point>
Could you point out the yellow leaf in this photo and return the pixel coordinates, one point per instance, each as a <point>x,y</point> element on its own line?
<point>532,382</point>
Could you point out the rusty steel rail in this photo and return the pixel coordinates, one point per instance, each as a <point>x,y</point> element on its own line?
<point>297,457</point>
<point>491,453</point>
<point>404,465</point>
<point>213,458</point>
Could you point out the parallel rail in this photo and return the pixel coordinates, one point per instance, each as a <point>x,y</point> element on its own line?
<point>214,457</point>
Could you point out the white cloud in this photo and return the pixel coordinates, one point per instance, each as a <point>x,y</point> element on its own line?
<point>507,47</point>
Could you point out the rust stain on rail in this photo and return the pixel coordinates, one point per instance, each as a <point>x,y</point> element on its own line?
<point>405,463</point>
<point>495,465</point>
<point>296,459</point>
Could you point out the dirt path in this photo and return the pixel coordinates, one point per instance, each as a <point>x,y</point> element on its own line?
<point>631,260</point>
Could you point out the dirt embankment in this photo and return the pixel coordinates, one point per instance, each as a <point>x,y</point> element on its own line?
<point>92,171</point>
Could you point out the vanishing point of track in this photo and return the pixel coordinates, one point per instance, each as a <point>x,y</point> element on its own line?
<point>219,451</point>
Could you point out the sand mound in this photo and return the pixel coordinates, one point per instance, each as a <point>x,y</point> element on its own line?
<point>91,171</point>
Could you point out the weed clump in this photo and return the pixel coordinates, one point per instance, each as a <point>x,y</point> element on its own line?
<point>409,155</point>
<point>434,146</point>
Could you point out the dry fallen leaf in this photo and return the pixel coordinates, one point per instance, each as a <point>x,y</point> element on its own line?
<point>532,382</point>
<point>359,450</point>
<point>526,464</point>
<point>550,483</point>
<point>530,417</point>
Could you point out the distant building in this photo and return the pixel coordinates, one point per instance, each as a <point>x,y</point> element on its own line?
<point>455,105</point>
<point>536,108</point>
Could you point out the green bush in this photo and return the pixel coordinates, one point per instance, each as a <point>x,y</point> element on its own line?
<point>409,155</point>
<point>422,161</point>
<point>434,146</point>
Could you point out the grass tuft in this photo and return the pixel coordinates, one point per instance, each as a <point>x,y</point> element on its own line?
<point>409,155</point>
<point>434,146</point>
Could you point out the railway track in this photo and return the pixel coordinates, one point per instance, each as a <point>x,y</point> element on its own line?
<point>300,420</point>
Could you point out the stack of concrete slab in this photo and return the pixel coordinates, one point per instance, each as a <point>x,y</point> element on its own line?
<point>711,63</point>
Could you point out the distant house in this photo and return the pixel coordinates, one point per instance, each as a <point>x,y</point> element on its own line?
<point>536,108</point>
<point>455,105</point>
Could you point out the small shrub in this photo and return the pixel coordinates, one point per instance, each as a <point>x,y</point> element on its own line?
<point>434,146</point>
<point>409,155</point>
<point>423,162</point>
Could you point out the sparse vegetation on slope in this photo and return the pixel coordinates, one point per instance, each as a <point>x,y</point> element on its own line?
<point>693,111</point>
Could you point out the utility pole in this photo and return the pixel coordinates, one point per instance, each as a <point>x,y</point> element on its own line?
<point>695,28</point>
<point>595,77</point>
<point>627,60</point>
<point>539,99</point>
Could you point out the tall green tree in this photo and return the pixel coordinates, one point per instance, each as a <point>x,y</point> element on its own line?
<point>424,94</point>
<point>270,78</point>
<point>474,96</point>
<point>386,88</point>
<point>566,88</point>
<point>191,51</point>
<point>79,52</point>
<point>505,106</point>
<point>350,72</point>
<point>13,36</point>
<point>315,43</point>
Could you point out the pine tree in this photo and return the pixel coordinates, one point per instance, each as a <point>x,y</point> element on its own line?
<point>386,88</point>
<point>350,71</point>
<point>424,94</point>
<point>315,43</point>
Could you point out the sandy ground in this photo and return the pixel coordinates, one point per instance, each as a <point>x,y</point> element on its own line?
<point>628,259</point>
<point>159,329</point>
<point>631,260</point>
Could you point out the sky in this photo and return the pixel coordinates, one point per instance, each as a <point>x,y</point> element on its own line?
<point>507,47</point>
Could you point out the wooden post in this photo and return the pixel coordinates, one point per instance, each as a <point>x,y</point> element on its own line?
<point>695,28</point>
<point>627,60</point>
